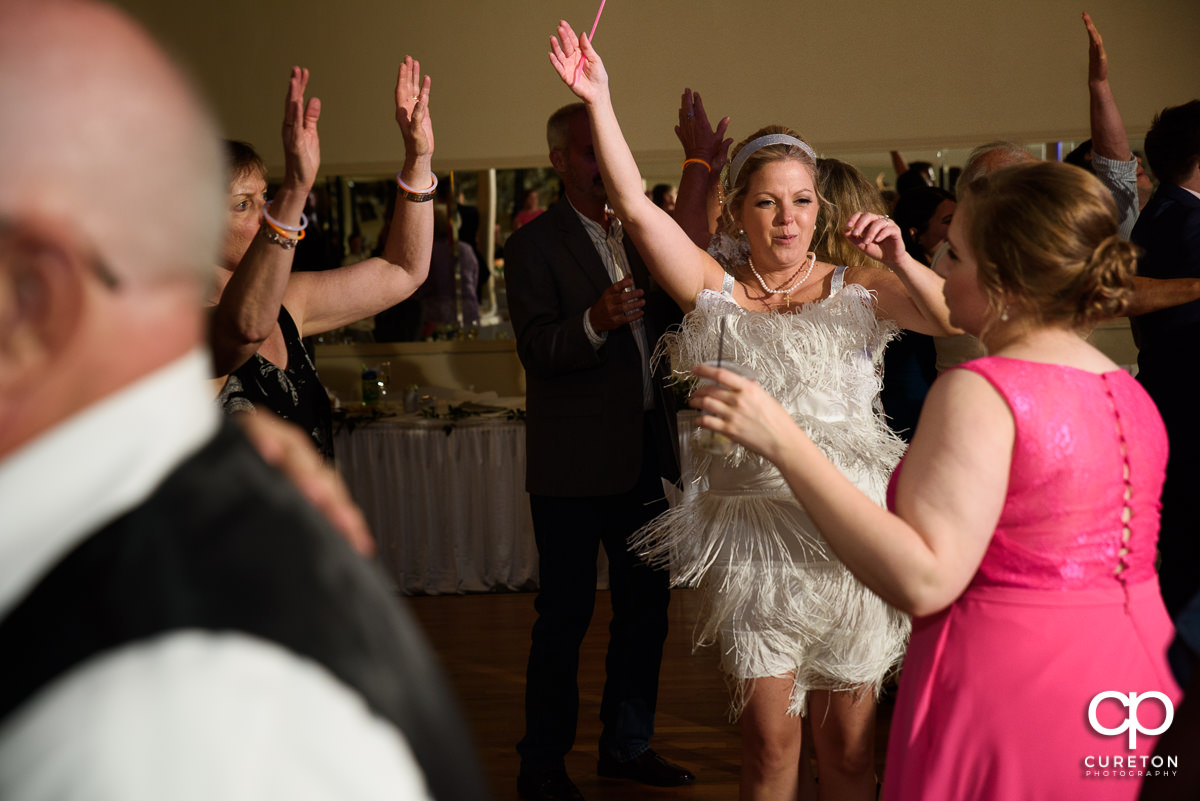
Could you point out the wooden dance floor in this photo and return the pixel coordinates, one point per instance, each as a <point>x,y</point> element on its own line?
<point>483,642</point>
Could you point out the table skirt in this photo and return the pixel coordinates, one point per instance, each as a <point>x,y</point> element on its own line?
<point>448,507</point>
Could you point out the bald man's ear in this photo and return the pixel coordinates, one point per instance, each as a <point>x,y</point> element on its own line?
<point>558,160</point>
<point>42,289</point>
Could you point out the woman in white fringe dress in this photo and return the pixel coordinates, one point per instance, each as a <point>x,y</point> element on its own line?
<point>798,633</point>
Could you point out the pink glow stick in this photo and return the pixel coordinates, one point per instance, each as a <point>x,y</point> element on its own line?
<point>599,11</point>
<point>591,36</point>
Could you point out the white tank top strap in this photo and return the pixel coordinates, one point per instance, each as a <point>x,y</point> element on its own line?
<point>727,286</point>
<point>839,278</point>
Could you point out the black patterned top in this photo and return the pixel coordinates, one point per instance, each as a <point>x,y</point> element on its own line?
<point>294,394</point>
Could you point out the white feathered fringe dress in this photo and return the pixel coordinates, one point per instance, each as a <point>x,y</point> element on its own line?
<point>774,596</point>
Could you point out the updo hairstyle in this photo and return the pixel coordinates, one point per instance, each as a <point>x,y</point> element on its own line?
<point>1045,241</point>
<point>844,191</point>
<point>735,192</point>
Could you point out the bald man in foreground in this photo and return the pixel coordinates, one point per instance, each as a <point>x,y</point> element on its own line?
<point>175,620</point>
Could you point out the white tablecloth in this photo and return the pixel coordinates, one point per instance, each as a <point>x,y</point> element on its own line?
<point>449,511</point>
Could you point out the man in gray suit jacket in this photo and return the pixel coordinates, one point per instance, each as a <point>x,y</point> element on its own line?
<point>599,437</point>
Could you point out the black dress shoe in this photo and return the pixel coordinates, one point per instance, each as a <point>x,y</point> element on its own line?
<point>648,768</point>
<point>553,785</point>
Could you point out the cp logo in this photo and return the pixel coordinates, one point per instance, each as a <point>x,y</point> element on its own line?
<point>1132,724</point>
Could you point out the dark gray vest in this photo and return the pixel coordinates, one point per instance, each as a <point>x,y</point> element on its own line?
<point>226,544</point>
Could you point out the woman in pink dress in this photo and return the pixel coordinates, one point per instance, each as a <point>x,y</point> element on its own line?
<point>1023,519</point>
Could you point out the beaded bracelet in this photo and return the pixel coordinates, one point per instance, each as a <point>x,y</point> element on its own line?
<point>278,226</point>
<point>283,240</point>
<point>417,195</point>
<point>707,166</point>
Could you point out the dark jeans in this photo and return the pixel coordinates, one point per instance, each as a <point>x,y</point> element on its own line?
<point>569,532</point>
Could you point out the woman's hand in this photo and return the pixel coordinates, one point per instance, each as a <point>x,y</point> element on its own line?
<point>915,302</point>
<point>578,64</point>
<point>301,145</point>
<point>699,139</point>
<point>743,411</point>
<point>412,109</point>
<point>878,237</point>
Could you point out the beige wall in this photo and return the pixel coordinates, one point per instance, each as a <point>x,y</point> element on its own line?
<point>851,75</point>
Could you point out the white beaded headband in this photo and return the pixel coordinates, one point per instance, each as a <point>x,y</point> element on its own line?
<point>758,144</point>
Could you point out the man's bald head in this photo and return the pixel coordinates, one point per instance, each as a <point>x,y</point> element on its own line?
<point>112,190</point>
<point>986,159</point>
<point>102,133</point>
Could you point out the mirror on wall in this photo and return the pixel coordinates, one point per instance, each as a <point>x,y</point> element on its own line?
<point>483,208</point>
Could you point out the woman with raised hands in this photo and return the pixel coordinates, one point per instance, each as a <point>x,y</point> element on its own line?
<point>798,633</point>
<point>1023,520</point>
<point>263,309</point>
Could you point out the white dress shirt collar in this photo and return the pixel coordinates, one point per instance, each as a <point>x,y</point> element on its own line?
<point>96,466</point>
<point>598,233</point>
<point>610,247</point>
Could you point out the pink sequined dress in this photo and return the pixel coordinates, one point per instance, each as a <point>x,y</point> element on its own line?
<point>995,690</point>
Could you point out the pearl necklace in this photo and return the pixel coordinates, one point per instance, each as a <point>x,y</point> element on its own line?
<point>786,291</point>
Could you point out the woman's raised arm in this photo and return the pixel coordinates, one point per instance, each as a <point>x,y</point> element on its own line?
<point>249,305</point>
<point>321,301</point>
<point>676,263</point>
<point>705,151</point>
<point>910,294</point>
